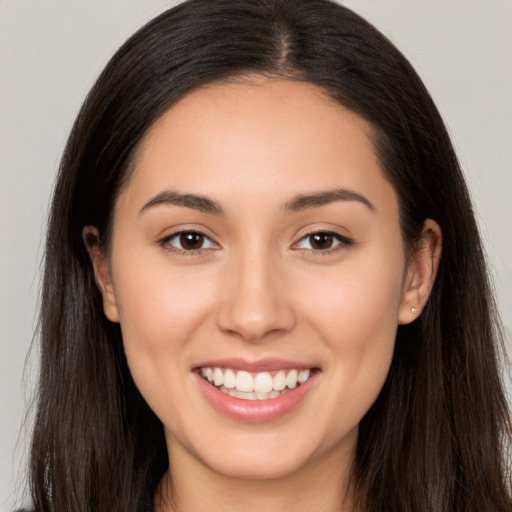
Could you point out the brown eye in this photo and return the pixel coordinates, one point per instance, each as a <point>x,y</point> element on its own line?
<point>191,241</point>
<point>188,241</point>
<point>321,241</point>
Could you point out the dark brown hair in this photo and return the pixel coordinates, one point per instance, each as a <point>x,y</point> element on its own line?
<point>437,438</point>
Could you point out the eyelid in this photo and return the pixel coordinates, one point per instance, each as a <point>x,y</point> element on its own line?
<point>343,241</point>
<point>165,242</point>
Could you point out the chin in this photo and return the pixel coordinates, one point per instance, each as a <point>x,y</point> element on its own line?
<point>259,467</point>
<point>266,457</point>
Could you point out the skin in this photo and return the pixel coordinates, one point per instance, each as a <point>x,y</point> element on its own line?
<point>258,289</point>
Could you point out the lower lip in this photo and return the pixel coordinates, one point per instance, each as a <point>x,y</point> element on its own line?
<point>255,411</point>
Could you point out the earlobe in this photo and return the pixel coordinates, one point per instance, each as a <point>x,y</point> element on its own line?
<point>421,272</point>
<point>91,238</point>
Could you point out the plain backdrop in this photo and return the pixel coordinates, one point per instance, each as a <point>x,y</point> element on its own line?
<point>50,53</point>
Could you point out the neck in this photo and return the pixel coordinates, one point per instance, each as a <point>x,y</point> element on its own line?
<point>322,484</point>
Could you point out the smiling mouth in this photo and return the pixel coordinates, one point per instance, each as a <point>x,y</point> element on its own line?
<point>255,386</point>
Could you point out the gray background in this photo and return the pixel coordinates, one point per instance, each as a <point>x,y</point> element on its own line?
<point>50,53</point>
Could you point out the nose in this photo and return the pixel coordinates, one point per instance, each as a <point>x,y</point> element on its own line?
<point>254,299</point>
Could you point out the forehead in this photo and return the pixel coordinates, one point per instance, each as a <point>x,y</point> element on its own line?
<point>268,137</point>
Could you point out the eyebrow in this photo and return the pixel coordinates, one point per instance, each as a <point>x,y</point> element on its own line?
<point>196,202</point>
<point>304,202</point>
<point>298,203</point>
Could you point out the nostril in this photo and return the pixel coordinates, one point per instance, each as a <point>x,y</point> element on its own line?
<point>254,322</point>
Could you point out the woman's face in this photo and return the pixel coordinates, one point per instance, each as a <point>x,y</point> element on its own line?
<point>258,243</point>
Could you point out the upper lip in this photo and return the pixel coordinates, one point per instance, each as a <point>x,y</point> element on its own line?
<point>260,365</point>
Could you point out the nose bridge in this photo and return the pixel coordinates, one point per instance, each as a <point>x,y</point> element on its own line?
<point>254,301</point>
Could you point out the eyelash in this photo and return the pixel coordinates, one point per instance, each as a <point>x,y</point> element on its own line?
<point>343,243</point>
<point>166,243</point>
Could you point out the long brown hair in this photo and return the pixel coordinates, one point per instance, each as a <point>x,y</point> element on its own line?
<point>438,436</point>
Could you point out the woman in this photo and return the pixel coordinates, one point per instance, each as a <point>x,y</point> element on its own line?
<point>259,288</point>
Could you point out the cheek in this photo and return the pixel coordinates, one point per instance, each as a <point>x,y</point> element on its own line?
<point>156,299</point>
<point>356,315</point>
<point>160,309</point>
<point>359,297</point>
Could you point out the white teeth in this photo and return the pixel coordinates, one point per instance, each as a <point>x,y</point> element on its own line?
<point>218,377</point>
<point>263,383</point>
<point>291,379</point>
<point>244,381</point>
<point>229,379</point>
<point>279,381</point>
<point>252,396</point>
<point>256,386</point>
<point>240,394</point>
<point>303,376</point>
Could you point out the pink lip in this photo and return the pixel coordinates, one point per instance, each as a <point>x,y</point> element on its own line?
<point>263,365</point>
<point>254,411</point>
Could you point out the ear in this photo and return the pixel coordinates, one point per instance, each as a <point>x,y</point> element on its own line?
<point>91,238</point>
<point>421,272</point>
